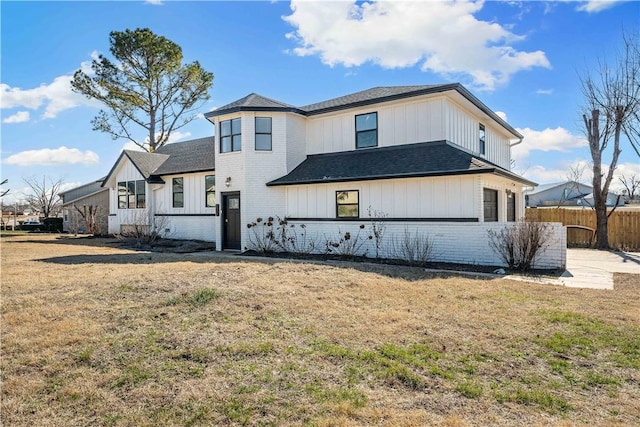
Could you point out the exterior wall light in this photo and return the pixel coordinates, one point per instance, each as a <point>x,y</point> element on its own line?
<point>227,182</point>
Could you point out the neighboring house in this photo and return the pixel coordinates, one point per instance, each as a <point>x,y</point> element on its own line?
<point>79,202</point>
<point>171,190</point>
<point>424,159</point>
<point>568,193</point>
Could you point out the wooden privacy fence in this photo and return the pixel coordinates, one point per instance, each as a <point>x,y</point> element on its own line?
<point>624,225</point>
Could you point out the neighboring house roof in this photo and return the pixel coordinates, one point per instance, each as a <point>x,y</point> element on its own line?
<point>82,191</point>
<point>196,155</point>
<point>254,102</point>
<point>544,187</point>
<point>403,161</point>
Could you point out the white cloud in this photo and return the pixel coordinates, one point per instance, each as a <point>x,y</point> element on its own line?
<point>154,2</point>
<point>595,6</point>
<point>561,172</point>
<point>19,117</point>
<point>53,157</point>
<point>544,91</point>
<point>404,34</point>
<point>56,96</point>
<point>558,139</point>
<point>502,115</point>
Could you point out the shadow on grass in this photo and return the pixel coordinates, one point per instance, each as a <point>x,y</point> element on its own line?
<point>409,273</point>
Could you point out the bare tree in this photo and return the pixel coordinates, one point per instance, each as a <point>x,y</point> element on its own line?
<point>45,197</point>
<point>631,185</point>
<point>88,214</point>
<point>4,192</point>
<point>611,113</point>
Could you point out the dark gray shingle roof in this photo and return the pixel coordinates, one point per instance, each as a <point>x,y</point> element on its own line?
<point>255,102</point>
<point>438,158</point>
<point>145,162</point>
<point>189,156</point>
<point>196,155</point>
<point>376,94</point>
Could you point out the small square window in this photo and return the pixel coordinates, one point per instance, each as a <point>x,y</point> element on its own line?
<point>347,204</point>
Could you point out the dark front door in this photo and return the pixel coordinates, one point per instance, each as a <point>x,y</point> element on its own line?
<point>231,221</point>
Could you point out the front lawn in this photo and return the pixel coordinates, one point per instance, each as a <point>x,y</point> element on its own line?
<point>93,334</point>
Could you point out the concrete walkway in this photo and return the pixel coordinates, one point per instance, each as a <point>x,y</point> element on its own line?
<point>592,269</point>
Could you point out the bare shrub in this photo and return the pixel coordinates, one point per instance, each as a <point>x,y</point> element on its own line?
<point>277,235</point>
<point>520,244</point>
<point>348,244</point>
<point>378,226</point>
<point>262,237</point>
<point>415,248</point>
<point>141,231</point>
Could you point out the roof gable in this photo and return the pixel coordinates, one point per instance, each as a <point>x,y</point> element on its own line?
<point>195,155</point>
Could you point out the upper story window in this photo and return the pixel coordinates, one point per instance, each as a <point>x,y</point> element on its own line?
<point>230,135</point>
<point>131,194</point>
<point>482,139</point>
<point>367,130</point>
<point>178,192</point>
<point>210,191</point>
<point>263,133</point>
<point>347,204</point>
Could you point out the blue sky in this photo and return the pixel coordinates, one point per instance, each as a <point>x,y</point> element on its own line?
<point>522,59</point>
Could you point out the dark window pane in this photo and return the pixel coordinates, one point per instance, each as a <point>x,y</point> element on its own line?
<point>366,139</point>
<point>140,188</point>
<point>263,142</point>
<point>235,126</point>
<point>263,124</point>
<point>140,201</point>
<point>225,128</point>
<point>178,200</point>
<point>490,203</point>
<point>237,143</point>
<point>367,122</point>
<point>226,144</point>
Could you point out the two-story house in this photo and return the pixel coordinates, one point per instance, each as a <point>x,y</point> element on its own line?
<point>430,158</point>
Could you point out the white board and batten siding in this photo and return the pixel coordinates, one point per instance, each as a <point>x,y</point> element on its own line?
<point>126,172</point>
<point>192,221</point>
<point>438,197</point>
<point>432,118</point>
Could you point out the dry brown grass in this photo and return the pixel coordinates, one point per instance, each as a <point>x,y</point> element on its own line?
<point>95,335</point>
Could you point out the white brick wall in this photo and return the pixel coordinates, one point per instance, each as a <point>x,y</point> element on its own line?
<point>466,243</point>
<point>187,227</point>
